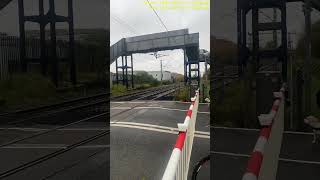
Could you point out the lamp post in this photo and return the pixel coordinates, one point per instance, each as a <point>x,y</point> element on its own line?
<point>155,54</point>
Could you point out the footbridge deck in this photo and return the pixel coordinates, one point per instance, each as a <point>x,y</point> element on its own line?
<point>177,39</point>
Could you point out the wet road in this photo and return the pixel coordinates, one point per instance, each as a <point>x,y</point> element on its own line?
<point>299,159</point>
<point>143,135</point>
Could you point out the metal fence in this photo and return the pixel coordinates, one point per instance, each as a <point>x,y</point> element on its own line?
<point>263,162</point>
<point>10,53</point>
<point>178,165</point>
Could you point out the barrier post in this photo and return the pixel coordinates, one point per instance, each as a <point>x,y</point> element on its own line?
<point>263,162</point>
<point>269,165</point>
<point>178,165</point>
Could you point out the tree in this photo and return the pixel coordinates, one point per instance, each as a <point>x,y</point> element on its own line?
<point>315,42</point>
<point>145,78</point>
<point>224,51</point>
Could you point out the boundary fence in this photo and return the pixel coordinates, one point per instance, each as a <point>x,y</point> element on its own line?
<point>178,165</point>
<point>267,147</point>
<point>10,53</point>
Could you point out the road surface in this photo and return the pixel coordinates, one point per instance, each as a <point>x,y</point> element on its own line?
<point>299,159</point>
<point>143,137</point>
<point>88,161</point>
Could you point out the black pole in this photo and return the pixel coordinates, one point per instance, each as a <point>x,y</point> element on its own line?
<point>117,79</point>
<point>73,73</point>
<point>122,67</point>
<point>127,83</point>
<point>239,41</point>
<point>43,58</point>
<point>199,78</point>
<point>54,60</point>
<point>132,84</point>
<point>185,66</point>
<point>189,79</point>
<point>284,40</point>
<point>203,98</point>
<point>307,62</point>
<point>255,36</point>
<point>22,36</point>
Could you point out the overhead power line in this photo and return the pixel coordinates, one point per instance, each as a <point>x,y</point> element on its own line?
<point>158,16</point>
<point>121,22</point>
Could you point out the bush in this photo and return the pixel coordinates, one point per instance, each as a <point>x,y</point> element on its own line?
<point>143,86</point>
<point>166,82</point>
<point>182,94</point>
<point>229,111</point>
<point>144,78</point>
<point>24,89</point>
<point>118,89</point>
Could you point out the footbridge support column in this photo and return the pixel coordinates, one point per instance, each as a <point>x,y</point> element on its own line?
<point>126,71</point>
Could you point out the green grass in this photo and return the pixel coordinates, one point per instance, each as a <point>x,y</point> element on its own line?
<point>182,94</point>
<point>84,77</point>
<point>206,88</point>
<point>143,86</point>
<point>25,89</point>
<point>315,87</point>
<point>228,110</point>
<point>118,89</point>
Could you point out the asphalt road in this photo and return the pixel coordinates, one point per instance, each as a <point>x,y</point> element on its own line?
<point>229,145</point>
<point>88,161</point>
<point>143,137</point>
<point>299,159</point>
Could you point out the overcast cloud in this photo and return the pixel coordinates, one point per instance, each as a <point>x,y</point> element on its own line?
<point>139,19</point>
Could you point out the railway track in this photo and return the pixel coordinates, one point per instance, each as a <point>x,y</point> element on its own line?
<point>145,94</point>
<point>39,160</point>
<point>76,141</point>
<point>57,106</point>
<point>87,105</point>
<point>230,74</point>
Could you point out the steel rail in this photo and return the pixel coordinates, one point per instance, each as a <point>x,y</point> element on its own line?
<point>51,130</point>
<point>51,155</point>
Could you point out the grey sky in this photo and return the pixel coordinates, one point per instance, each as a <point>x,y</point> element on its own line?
<point>87,14</point>
<point>138,17</point>
<point>225,25</point>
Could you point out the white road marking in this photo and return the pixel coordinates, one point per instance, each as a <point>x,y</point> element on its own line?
<point>299,161</point>
<point>156,128</point>
<point>280,159</point>
<point>51,146</point>
<point>63,129</point>
<point>126,102</point>
<point>121,108</point>
<point>300,133</point>
<point>247,129</point>
<point>231,128</point>
<point>230,154</point>
<point>134,102</point>
<point>156,107</point>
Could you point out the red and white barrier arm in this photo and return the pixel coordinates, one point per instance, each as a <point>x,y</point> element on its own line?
<point>255,161</point>
<point>170,172</point>
<point>172,166</point>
